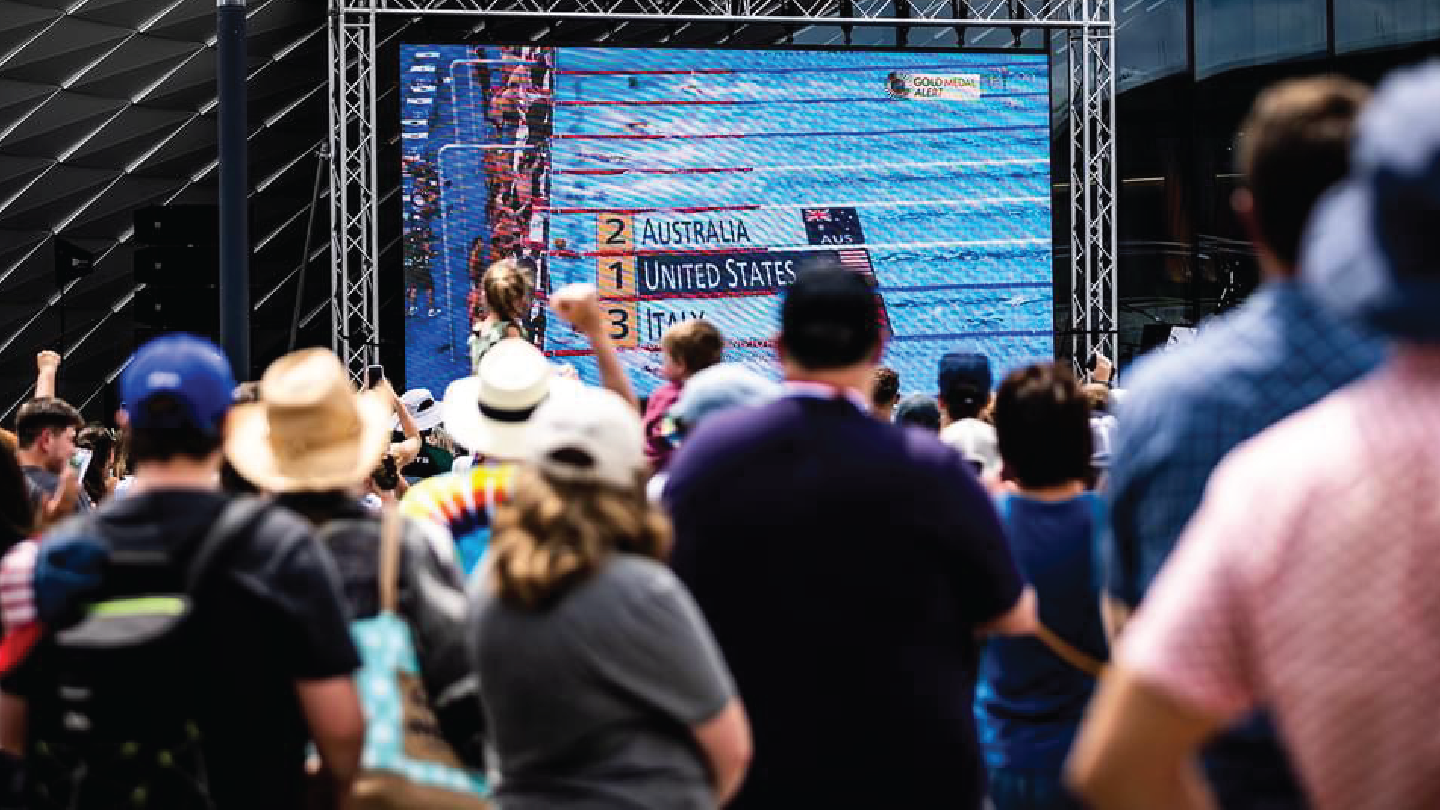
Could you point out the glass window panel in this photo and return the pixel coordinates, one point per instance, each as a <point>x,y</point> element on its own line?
<point>1364,24</point>
<point>1151,41</point>
<point>821,35</point>
<point>1238,33</point>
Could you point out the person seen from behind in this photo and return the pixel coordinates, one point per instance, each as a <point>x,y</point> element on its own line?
<point>1306,580</point>
<point>1031,696</point>
<point>918,410</point>
<point>846,567</point>
<point>602,684</point>
<point>311,441</point>
<point>713,391</point>
<point>508,286</point>
<point>436,452</point>
<point>688,347</point>
<point>885,394</point>
<point>1279,352</point>
<point>489,412</point>
<point>187,647</point>
<point>965,381</point>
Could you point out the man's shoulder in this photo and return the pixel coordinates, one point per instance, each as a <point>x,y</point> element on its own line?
<point>1316,444</point>
<point>275,531</point>
<point>737,428</point>
<point>40,478</point>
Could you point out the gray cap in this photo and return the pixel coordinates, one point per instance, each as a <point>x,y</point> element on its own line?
<point>719,387</point>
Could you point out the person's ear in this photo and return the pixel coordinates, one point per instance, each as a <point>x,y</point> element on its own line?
<point>1243,203</point>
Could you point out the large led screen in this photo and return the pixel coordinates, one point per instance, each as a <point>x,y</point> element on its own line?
<point>697,183</point>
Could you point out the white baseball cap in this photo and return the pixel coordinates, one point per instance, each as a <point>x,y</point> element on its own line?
<point>977,443</point>
<point>423,408</point>
<point>593,435</point>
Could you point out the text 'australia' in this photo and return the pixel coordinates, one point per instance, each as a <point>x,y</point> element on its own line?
<point>694,232</point>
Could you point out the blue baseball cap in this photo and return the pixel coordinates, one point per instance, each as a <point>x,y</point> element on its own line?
<point>969,368</point>
<point>718,388</point>
<point>190,369</point>
<point>1372,250</point>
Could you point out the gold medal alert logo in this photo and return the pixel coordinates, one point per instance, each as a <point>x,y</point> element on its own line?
<point>933,86</point>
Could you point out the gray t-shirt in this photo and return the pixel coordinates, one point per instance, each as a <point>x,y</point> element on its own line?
<point>42,486</point>
<point>590,703</point>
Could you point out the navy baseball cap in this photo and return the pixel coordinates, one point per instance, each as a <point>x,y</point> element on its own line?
<point>968,368</point>
<point>830,317</point>
<point>1372,250</point>
<point>188,368</point>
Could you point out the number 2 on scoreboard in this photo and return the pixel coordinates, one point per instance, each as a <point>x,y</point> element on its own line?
<point>616,231</point>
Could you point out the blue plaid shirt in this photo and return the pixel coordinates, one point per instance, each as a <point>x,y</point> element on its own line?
<point>1186,409</point>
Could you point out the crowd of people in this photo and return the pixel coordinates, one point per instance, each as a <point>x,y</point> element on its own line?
<point>1207,588</point>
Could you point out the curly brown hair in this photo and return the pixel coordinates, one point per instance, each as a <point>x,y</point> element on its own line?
<point>553,534</point>
<point>508,285</point>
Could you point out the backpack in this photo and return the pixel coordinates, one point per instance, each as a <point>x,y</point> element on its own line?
<point>113,716</point>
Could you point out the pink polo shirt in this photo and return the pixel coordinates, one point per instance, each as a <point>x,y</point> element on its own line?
<point>1309,581</point>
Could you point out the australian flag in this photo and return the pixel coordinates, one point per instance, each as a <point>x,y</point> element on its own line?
<point>833,226</point>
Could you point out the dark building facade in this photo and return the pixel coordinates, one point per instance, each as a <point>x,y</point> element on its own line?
<point>1187,73</point>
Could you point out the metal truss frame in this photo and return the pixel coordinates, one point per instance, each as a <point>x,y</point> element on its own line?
<point>1088,28</point>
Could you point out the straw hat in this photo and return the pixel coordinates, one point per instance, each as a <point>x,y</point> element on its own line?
<point>489,412</point>
<point>310,430</point>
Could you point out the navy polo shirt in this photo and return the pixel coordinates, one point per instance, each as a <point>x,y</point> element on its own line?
<point>843,565</point>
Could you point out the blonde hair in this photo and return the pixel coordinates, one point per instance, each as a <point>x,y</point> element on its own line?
<point>508,285</point>
<point>552,535</point>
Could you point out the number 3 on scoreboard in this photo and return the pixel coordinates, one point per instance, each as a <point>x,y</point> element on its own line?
<point>623,326</point>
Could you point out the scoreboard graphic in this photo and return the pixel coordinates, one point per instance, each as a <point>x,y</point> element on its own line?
<point>698,183</point>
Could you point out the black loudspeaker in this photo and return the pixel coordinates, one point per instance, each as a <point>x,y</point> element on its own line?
<point>177,259</point>
<point>171,266</point>
<point>71,262</point>
<point>178,225</point>
<point>178,309</point>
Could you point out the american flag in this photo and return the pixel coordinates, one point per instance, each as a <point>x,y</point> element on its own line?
<point>856,259</point>
<point>817,215</point>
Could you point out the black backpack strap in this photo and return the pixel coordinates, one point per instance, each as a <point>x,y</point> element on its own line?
<point>235,517</point>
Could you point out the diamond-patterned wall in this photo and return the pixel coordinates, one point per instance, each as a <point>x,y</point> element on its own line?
<point>109,105</point>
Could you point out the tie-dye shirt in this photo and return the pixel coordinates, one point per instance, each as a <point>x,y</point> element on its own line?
<point>464,504</point>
